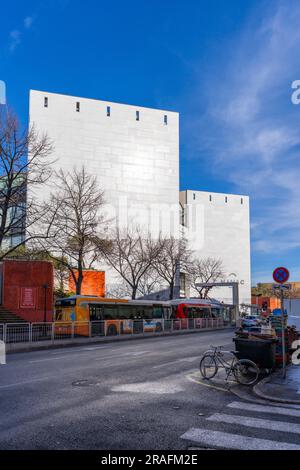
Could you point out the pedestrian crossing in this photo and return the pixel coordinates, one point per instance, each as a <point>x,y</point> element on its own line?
<point>225,439</point>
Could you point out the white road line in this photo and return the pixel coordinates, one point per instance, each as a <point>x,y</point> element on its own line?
<point>226,440</point>
<point>255,423</point>
<point>132,354</point>
<point>26,382</point>
<point>277,410</point>
<point>78,350</point>
<point>136,353</point>
<point>68,356</point>
<point>185,359</point>
<point>47,359</point>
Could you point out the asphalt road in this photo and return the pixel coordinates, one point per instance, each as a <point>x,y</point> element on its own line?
<point>140,394</point>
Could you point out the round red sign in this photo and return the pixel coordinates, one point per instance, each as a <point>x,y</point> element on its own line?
<point>281,275</point>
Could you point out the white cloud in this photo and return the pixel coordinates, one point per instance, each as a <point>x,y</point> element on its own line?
<point>251,128</point>
<point>15,36</point>
<point>15,39</point>
<point>28,22</point>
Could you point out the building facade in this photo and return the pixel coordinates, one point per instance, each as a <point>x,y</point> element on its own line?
<point>217,225</point>
<point>134,152</point>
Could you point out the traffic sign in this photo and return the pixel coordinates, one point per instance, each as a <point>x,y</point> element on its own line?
<point>282,286</point>
<point>281,275</point>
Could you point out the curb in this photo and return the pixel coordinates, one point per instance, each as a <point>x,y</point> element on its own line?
<point>263,395</point>
<point>40,347</point>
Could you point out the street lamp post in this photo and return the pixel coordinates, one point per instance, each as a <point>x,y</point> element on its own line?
<point>45,287</point>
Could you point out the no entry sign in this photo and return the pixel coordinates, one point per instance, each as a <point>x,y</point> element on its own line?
<point>281,275</point>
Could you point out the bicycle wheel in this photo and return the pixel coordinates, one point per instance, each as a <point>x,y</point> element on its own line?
<point>208,367</point>
<point>246,372</point>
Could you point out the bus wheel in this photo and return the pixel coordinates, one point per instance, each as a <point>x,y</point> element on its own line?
<point>111,330</point>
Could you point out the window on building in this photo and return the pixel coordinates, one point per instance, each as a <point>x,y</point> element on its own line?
<point>226,199</point>
<point>78,107</point>
<point>137,115</point>
<point>210,198</point>
<point>46,102</point>
<point>242,200</point>
<point>108,111</point>
<point>165,119</point>
<point>194,196</point>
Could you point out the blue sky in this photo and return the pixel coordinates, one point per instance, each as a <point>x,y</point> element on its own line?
<point>226,66</point>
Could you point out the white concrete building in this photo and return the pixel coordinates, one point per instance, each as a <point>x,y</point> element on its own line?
<point>217,226</point>
<point>134,152</point>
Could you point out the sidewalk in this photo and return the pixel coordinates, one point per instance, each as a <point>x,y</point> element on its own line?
<point>277,389</point>
<point>79,341</point>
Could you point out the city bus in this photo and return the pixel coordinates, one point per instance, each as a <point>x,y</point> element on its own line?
<point>200,312</point>
<point>109,316</point>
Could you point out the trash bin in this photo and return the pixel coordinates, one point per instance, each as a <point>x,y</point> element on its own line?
<point>260,351</point>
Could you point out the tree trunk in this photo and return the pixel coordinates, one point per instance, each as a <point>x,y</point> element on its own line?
<point>171,292</point>
<point>79,278</point>
<point>133,296</point>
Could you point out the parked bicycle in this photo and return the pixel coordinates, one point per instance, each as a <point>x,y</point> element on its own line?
<point>245,372</point>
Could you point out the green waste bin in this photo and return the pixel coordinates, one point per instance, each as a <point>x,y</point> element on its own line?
<point>260,351</point>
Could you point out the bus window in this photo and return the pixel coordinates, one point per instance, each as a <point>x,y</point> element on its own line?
<point>110,312</point>
<point>127,312</point>
<point>202,312</point>
<point>143,312</point>
<point>157,312</point>
<point>173,311</point>
<point>167,312</point>
<point>190,312</point>
<point>59,315</point>
<point>96,312</point>
<point>65,302</point>
<point>215,312</point>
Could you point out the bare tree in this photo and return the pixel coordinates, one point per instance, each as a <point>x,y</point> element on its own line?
<point>118,290</point>
<point>131,255</point>
<point>205,270</point>
<point>75,214</point>
<point>24,162</point>
<point>174,256</point>
<point>150,283</point>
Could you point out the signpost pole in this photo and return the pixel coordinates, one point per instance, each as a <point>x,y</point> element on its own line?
<point>282,334</point>
<point>281,275</point>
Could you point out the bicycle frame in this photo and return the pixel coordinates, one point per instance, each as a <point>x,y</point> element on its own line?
<point>217,354</point>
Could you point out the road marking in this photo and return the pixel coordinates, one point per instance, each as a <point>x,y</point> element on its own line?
<point>255,422</point>
<point>295,412</point>
<point>23,383</point>
<point>136,353</point>
<point>186,359</point>
<point>206,383</point>
<point>99,357</point>
<point>226,440</point>
<point>77,350</point>
<point>47,359</point>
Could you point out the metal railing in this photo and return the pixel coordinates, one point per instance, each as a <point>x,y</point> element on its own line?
<point>12,333</point>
